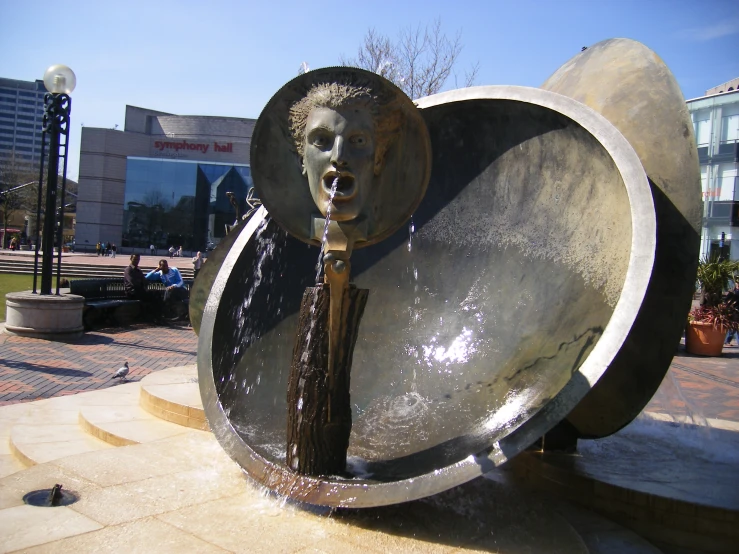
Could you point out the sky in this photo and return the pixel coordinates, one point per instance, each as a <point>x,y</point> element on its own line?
<point>227,58</point>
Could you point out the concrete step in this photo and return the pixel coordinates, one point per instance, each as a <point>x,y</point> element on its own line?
<point>174,395</point>
<point>126,425</point>
<point>38,444</point>
<point>79,271</point>
<point>9,416</point>
<point>49,429</point>
<point>164,404</point>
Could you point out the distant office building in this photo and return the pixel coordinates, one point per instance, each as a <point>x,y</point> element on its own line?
<point>716,123</point>
<point>21,116</point>
<point>162,180</point>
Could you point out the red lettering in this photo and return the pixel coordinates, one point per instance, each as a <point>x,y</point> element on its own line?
<point>228,147</point>
<point>181,145</point>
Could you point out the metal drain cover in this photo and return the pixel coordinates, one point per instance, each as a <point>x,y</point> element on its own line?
<point>50,498</point>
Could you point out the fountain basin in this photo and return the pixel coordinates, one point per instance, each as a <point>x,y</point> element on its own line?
<point>488,319</point>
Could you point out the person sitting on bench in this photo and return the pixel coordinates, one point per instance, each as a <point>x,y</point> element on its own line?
<point>134,285</point>
<point>170,276</point>
<point>134,282</point>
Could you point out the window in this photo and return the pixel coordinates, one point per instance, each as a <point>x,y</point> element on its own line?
<point>173,203</point>
<point>725,181</point>
<point>730,124</point>
<point>702,125</point>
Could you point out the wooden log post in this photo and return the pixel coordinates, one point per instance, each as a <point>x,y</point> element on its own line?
<point>319,407</point>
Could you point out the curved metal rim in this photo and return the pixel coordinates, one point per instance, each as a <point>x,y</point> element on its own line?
<point>332,492</point>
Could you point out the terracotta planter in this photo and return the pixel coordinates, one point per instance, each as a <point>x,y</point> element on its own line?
<point>703,339</point>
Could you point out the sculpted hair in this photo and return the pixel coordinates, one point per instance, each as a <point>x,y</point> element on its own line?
<point>386,115</point>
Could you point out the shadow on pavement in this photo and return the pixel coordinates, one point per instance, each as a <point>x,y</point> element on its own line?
<point>64,372</point>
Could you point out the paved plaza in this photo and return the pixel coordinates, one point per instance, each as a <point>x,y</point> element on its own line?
<point>31,369</point>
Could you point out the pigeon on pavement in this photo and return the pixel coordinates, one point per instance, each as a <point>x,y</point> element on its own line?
<point>122,372</point>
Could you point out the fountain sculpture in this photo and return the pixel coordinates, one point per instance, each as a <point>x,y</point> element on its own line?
<point>507,298</point>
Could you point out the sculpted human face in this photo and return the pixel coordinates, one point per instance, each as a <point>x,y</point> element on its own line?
<point>340,144</point>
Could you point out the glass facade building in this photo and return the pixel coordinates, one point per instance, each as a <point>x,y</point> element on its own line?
<point>180,203</point>
<point>21,115</point>
<point>716,125</point>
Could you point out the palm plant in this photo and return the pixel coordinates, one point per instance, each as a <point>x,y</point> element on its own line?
<point>713,278</point>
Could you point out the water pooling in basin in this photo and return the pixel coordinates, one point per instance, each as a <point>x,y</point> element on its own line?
<point>420,384</point>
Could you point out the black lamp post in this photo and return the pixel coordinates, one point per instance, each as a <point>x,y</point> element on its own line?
<point>60,82</point>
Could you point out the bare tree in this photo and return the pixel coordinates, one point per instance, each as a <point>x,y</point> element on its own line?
<point>17,188</point>
<point>419,62</point>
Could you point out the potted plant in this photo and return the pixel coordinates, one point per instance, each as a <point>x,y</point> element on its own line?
<point>709,322</point>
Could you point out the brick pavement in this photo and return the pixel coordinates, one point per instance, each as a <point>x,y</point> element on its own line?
<point>31,369</point>
<point>701,387</point>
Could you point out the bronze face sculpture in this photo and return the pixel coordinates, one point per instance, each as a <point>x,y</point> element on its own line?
<point>347,126</point>
<point>342,133</point>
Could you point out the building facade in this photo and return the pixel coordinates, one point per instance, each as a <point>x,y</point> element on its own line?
<point>21,116</point>
<point>162,180</point>
<point>716,124</point>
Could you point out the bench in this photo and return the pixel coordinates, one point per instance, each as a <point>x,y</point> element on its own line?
<point>106,302</point>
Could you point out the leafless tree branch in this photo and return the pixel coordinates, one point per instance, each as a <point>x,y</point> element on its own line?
<point>419,62</point>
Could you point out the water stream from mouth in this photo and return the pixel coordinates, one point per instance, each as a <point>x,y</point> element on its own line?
<point>319,264</point>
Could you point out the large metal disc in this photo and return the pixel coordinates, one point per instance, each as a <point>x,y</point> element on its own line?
<point>486,324</point>
<point>633,88</point>
<point>276,165</point>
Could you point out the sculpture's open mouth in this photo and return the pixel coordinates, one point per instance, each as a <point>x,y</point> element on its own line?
<point>345,188</point>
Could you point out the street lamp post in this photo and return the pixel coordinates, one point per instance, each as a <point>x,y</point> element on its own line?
<point>60,82</point>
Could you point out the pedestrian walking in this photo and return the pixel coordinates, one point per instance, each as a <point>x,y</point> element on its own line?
<point>171,251</point>
<point>732,300</point>
<point>152,249</point>
<point>98,246</point>
<point>113,249</point>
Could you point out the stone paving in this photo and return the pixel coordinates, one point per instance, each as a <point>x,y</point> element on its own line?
<point>31,369</point>
<point>701,387</point>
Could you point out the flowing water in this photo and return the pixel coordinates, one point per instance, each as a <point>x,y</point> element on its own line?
<point>319,263</point>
